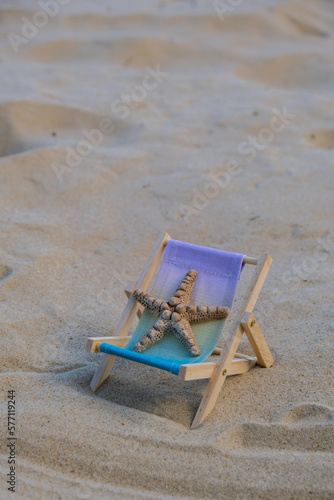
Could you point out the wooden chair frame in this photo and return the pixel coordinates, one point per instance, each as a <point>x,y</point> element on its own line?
<point>229,362</point>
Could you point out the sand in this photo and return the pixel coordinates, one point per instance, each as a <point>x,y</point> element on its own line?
<point>224,138</point>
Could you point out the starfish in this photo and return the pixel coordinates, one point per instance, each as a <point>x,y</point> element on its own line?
<point>176,314</point>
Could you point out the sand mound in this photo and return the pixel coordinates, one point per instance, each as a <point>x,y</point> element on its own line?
<point>317,438</point>
<point>293,71</point>
<point>321,139</point>
<point>30,125</point>
<point>309,413</point>
<point>305,19</point>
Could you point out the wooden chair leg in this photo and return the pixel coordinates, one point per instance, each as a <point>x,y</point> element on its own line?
<point>232,337</point>
<point>257,341</point>
<point>216,382</point>
<point>131,309</point>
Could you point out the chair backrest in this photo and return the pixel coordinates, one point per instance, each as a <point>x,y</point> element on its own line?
<point>216,284</point>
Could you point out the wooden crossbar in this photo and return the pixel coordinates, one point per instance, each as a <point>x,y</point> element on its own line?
<point>192,371</point>
<point>196,371</point>
<point>93,343</point>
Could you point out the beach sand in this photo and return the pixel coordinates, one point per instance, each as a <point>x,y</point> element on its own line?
<point>212,122</point>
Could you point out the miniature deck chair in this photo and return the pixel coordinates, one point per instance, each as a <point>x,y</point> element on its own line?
<point>218,274</point>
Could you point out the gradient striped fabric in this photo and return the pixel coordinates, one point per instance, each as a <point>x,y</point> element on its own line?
<point>216,284</point>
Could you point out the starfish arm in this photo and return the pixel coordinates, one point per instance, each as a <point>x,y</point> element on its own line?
<point>184,333</point>
<point>176,315</point>
<point>154,305</point>
<point>205,313</point>
<point>184,290</point>
<point>158,330</point>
